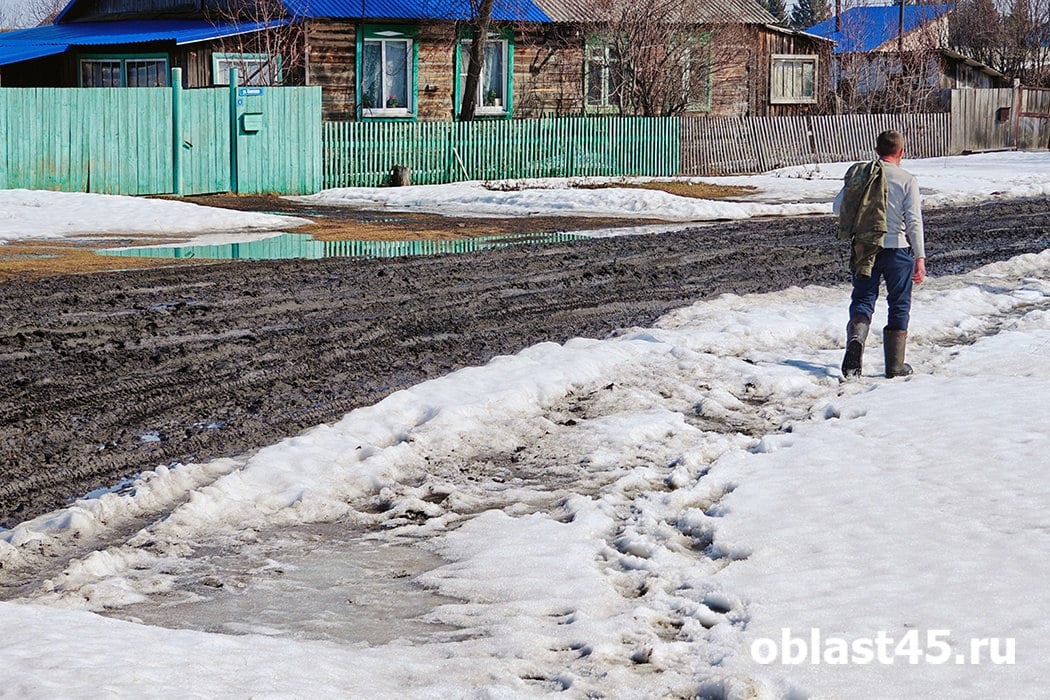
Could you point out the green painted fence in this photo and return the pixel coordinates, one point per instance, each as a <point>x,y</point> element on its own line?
<point>161,140</point>
<point>278,140</point>
<point>362,154</point>
<point>108,140</point>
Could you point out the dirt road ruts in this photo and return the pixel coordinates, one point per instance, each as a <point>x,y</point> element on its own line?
<point>104,375</point>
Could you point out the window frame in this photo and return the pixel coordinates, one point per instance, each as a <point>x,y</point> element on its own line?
<point>802,59</point>
<point>123,60</point>
<point>221,78</point>
<point>383,34</point>
<point>604,106</point>
<point>506,110</point>
<point>702,44</point>
<point>697,51</point>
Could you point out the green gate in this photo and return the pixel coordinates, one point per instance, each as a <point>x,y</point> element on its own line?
<point>202,146</point>
<point>161,140</point>
<point>247,139</point>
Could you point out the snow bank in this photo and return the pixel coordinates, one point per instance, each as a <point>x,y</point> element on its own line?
<point>619,517</point>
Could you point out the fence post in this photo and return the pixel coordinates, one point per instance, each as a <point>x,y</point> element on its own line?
<point>233,131</point>
<point>1016,113</point>
<point>176,130</point>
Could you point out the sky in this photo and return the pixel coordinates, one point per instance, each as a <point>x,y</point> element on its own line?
<point>15,11</point>
<point>691,507</point>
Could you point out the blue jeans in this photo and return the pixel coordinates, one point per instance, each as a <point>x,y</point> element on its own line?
<point>896,266</point>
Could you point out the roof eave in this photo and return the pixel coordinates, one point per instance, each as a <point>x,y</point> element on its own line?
<point>798,32</point>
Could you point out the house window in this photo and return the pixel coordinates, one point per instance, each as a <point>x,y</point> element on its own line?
<point>603,77</point>
<point>793,79</point>
<point>258,69</point>
<point>493,94</point>
<point>386,70</point>
<point>134,71</point>
<point>684,84</point>
<point>696,77</point>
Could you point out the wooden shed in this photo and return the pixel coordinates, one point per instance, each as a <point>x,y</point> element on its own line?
<point>128,43</point>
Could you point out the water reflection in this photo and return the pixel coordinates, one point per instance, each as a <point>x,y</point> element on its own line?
<point>288,246</point>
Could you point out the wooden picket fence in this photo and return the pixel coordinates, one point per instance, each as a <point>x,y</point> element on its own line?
<point>363,154</point>
<point>736,146</point>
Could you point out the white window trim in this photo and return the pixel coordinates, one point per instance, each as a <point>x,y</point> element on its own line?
<point>703,50</point>
<point>221,77</point>
<point>793,58</point>
<point>605,68</point>
<point>384,111</point>
<point>480,108</point>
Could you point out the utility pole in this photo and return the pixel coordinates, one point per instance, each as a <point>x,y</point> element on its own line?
<point>900,32</point>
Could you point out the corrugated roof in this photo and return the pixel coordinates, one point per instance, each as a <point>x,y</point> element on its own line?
<point>867,28</point>
<point>25,44</point>
<point>16,53</point>
<point>502,10</point>
<point>692,11</point>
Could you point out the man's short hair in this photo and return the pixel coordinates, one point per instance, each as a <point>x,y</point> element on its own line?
<point>889,142</point>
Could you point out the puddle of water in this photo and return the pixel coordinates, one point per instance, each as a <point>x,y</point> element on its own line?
<point>321,585</point>
<point>287,246</point>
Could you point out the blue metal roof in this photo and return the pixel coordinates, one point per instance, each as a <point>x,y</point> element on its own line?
<point>502,10</point>
<point>51,39</point>
<point>867,28</point>
<point>16,53</point>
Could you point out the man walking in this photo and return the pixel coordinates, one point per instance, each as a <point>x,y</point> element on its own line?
<point>880,213</point>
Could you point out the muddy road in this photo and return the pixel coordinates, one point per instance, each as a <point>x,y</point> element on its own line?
<point>104,375</point>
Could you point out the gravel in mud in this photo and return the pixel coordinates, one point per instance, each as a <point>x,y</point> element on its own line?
<point>106,374</point>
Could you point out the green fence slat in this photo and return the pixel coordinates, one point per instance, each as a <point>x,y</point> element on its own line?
<point>361,154</point>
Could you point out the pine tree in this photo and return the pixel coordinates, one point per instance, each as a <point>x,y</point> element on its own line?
<point>806,13</point>
<point>777,8</point>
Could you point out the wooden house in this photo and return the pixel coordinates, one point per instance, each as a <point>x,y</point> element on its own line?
<point>406,60</point>
<point>896,58</point>
<point>749,65</point>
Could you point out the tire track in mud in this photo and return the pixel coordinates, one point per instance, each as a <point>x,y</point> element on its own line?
<point>105,375</point>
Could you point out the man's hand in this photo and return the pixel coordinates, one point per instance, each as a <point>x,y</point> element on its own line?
<point>920,271</point>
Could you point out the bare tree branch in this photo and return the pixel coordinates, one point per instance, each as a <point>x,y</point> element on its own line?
<point>889,80</point>
<point>40,12</point>
<point>274,55</point>
<point>661,54</point>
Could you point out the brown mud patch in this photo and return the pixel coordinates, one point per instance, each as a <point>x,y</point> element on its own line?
<point>696,190</point>
<point>43,258</point>
<point>336,223</point>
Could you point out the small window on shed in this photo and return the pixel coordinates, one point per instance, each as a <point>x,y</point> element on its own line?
<point>793,79</point>
<point>124,71</point>
<point>252,68</point>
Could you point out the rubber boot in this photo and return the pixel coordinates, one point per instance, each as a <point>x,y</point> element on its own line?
<point>856,334</point>
<point>893,343</point>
